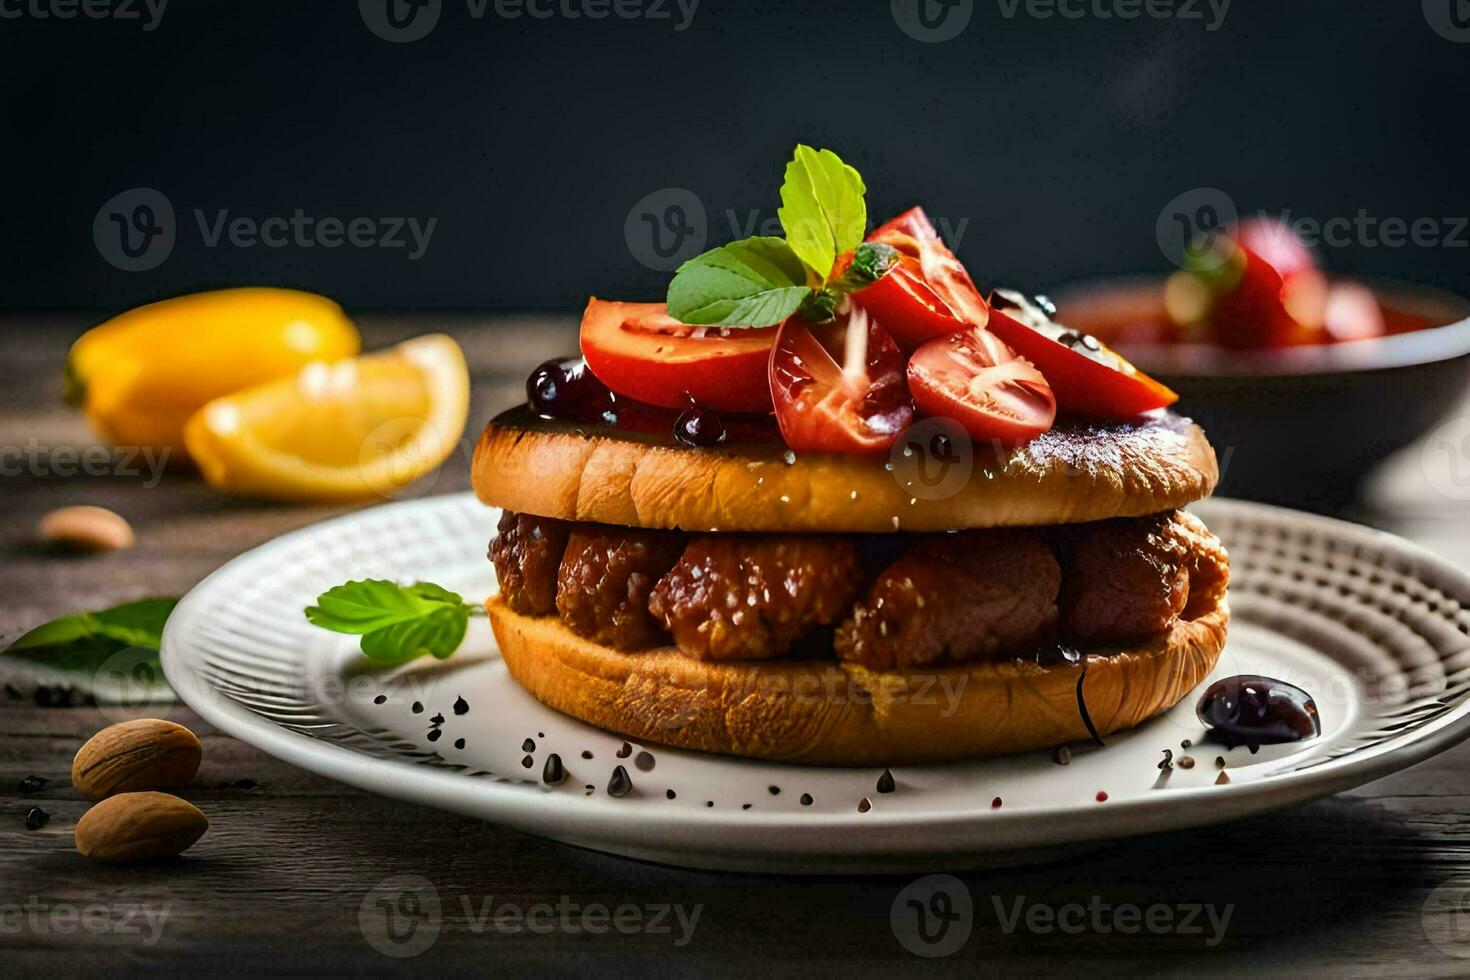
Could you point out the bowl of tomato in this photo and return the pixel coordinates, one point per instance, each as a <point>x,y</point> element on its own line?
<point>1299,415</point>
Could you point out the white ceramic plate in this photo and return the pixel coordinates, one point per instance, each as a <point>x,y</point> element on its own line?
<point>1376,629</point>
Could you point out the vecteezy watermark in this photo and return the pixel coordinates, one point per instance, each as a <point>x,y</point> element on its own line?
<point>402,916</point>
<point>65,462</point>
<point>406,21</point>
<point>932,21</point>
<point>1211,13</point>
<point>1101,917</point>
<point>1445,918</point>
<point>1444,459</point>
<point>137,229</point>
<point>932,916</point>
<point>130,685</point>
<point>671,225</point>
<point>124,919</point>
<point>1190,225</point>
<point>933,459</point>
<point>148,13</point>
<point>1450,19</point>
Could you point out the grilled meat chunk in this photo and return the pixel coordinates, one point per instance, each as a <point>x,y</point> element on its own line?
<point>527,553</point>
<point>749,597</point>
<point>605,579</point>
<point>1131,579</point>
<point>955,598</point>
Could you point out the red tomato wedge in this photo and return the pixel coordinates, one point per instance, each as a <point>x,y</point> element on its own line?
<point>928,294</point>
<point>1254,312</point>
<point>641,352</point>
<point>858,406</point>
<point>1086,377</point>
<point>979,382</point>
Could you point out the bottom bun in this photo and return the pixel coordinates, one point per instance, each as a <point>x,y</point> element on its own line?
<point>820,712</point>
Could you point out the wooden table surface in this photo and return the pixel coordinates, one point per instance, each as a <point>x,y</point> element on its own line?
<point>1343,886</point>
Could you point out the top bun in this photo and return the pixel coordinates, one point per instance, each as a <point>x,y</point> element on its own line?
<point>1076,472</point>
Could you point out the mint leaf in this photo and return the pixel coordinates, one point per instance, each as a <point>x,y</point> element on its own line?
<point>397,623</point>
<point>758,282</point>
<point>822,207</point>
<point>138,624</point>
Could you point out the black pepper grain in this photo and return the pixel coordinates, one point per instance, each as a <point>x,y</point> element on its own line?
<point>418,708</point>
<point>527,762</point>
<point>381,699</point>
<point>36,818</point>
<point>435,733</point>
<point>552,773</point>
<point>461,706</point>
<point>806,799</point>
<point>864,805</point>
<point>886,783</point>
<point>621,784</point>
<point>459,743</point>
<point>670,793</point>
<point>528,746</point>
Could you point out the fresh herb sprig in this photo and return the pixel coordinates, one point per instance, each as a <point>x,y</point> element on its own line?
<point>761,281</point>
<point>397,623</point>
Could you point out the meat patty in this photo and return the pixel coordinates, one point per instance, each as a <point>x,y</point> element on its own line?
<point>1128,580</point>
<point>527,552</point>
<point>748,597</point>
<point>605,579</point>
<point>954,598</point>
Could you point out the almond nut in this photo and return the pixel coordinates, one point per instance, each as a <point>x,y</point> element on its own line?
<point>86,529</point>
<point>147,753</point>
<point>139,827</point>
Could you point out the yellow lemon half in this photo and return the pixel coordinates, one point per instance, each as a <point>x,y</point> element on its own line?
<point>338,432</point>
<point>140,375</point>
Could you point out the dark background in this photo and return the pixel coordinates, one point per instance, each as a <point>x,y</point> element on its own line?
<point>530,140</point>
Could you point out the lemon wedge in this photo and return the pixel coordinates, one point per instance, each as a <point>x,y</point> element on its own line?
<point>343,431</point>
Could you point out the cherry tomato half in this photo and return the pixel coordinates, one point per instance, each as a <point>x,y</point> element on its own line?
<point>1085,375</point>
<point>859,406</point>
<point>979,382</point>
<point>928,294</point>
<point>641,352</point>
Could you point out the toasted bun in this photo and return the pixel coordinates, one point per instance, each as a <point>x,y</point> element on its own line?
<point>1072,474</point>
<point>826,713</point>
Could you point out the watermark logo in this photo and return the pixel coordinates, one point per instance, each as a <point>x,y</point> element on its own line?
<point>1101,917</point>
<point>1444,459</point>
<point>37,917</point>
<point>666,228</point>
<point>130,684</point>
<point>400,21</point>
<point>1450,19</point>
<point>933,916</point>
<point>933,459</point>
<point>399,459</point>
<point>1200,10</point>
<point>149,13</point>
<point>1189,227</point>
<point>1445,918</point>
<point>400,916</point>
<point>932,21</point>
<point>135,231</point>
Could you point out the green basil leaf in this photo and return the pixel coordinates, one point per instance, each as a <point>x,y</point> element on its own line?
<point>138,624</point>
<point>438,634</point>
<point>757,282</point>
<point>823,210</point>
<point>373,604</point>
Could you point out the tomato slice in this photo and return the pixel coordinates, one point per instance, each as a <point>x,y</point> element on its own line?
<point>1087,377</point>
<point>641,352</point>
<point>980,383</point>
<point>859,406</point>
<point>1253,312</point>
<point>928,294</point>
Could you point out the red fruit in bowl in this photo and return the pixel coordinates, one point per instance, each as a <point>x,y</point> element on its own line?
<point>1275,242</point>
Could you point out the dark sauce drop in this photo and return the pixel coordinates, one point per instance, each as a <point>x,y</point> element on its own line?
<point>381,699</point>
<point>806,799</point>
<point>709,802</point>
<point>434,734</point>
<point>864,805</point>
<point>553,773</point>
<point>886,783</point>
<point>564,388</point>
<point>1249,709</point>
<point>437,720</point>
<point>995,803</point>
<point>745,806</point>
<point>699,427</point>
<point>774,790</point>
<point>644,761</point>
<point>527,762</point>
<point>1102,796</point>
<point>418,707</point>
<point>586,754</point>
<point>461,706</point>
<point>459,743</point>
<point>528,746</point>
<point>621,784</point>
<point>670,793</point>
